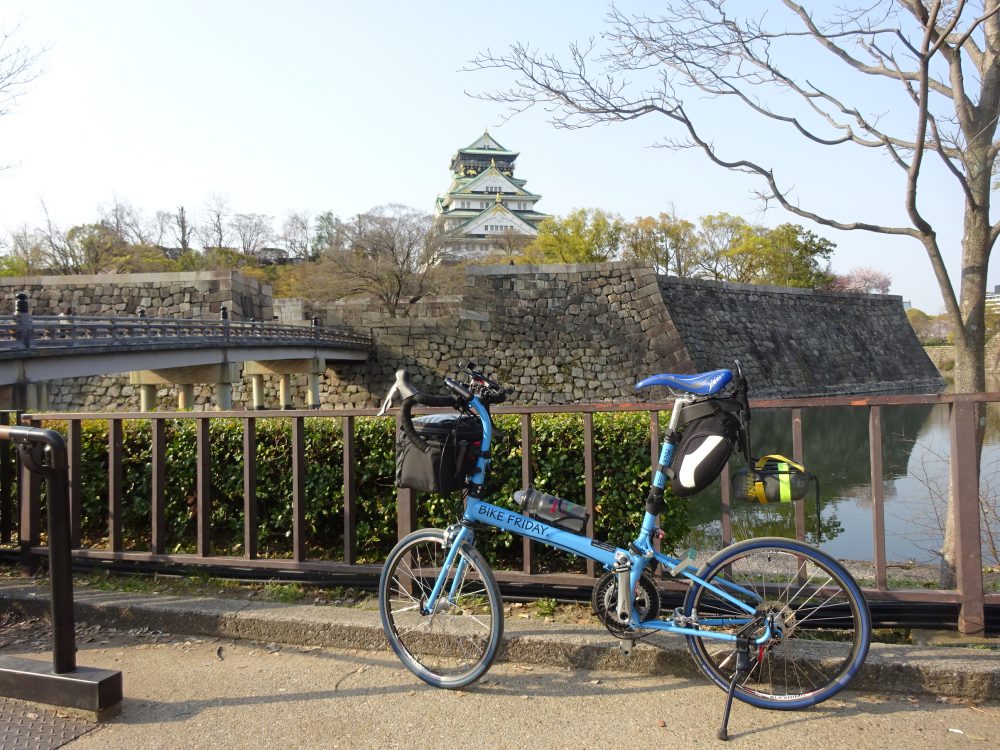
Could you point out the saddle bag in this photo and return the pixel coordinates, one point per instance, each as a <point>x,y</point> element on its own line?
<point>454,442</point>
<point>706,444</point>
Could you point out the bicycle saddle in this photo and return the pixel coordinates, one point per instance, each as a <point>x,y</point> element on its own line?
<point>700,384</point>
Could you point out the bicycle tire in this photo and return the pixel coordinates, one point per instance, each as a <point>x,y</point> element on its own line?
<point>454,645</point>
<point>826,623</point>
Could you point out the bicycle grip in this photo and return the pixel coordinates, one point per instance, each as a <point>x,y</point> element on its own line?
<point>406,420</point>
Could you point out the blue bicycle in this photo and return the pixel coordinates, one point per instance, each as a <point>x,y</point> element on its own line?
<point>774,622</point>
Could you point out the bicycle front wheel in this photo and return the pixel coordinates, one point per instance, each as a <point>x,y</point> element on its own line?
<point>821,622</point>
<point>456,641</point>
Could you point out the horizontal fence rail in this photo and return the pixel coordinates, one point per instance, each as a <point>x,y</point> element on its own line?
<point>964,414</point>
<point>22,334</point>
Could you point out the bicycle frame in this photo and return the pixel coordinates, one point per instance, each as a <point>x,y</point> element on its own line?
<point>638,556</point>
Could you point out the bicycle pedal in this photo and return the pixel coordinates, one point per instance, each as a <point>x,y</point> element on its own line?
<point>626,645</point>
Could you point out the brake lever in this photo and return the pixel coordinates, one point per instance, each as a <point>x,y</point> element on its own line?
<point>388,401</point>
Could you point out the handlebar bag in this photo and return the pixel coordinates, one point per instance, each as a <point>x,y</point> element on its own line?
<point>454,441</point>
<point>705,446</point>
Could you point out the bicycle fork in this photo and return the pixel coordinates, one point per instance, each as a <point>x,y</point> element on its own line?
<point>455,537</point>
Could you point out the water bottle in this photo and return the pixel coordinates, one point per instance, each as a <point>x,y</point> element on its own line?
<point>551,509</point>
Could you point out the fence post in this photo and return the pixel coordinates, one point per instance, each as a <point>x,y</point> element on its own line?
<point>29,529</point>
<point>7,485</point>
<point>797,451</point>
<point>588,480</point>
<point>43,453</point>
<point>965,506</point>
<point>298,489</point>
<point>350,491</point>
<point>527,551</point>
<point>406,503</point>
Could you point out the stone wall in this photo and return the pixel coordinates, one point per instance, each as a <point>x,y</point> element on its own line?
<point>164,295</point>
<point>558,334</point>
<point>587,333</point>
<point>800,342</point>
<point>943,358</point>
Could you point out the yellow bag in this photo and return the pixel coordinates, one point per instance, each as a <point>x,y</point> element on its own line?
<point>773,479</point>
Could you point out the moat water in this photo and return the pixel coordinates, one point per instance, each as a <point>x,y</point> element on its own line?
<point>915,455</point>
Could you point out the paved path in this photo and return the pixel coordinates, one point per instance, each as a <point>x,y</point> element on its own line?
<point>181,694</point>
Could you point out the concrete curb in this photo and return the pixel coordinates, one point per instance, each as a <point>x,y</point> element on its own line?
<point>946,671</point>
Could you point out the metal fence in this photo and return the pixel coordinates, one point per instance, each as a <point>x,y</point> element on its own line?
<point>964,410</point>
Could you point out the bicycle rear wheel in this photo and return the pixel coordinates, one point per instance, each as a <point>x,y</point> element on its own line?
<point>456,643</point>
<point>822,616</point>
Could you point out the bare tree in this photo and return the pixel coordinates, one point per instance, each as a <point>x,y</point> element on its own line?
<point>181,228</point>
<point>214,229</point>
<point>393,254</point>
<point>26,251</point>
<point>83,249</point>
<point>296,235</point>
<point>56,255</point>
<point>19,67</point>
<point>942,56</point>
<point>253,232</point>
<point>130,224</point>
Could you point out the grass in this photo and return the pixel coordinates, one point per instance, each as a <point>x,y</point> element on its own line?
<point>545,607</point>
<point>197,582</point>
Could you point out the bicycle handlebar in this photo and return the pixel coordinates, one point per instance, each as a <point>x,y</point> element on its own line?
<point>488,391</point>
<point>406,419</point>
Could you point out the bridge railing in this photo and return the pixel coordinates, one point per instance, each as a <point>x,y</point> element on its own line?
<point>964,414</point>
<point>38,332</point>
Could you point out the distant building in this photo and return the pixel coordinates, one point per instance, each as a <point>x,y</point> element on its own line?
<point>993,299</point>
<point>486,209</point>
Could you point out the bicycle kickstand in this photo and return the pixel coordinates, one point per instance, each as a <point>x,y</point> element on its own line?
<point>742,669</point>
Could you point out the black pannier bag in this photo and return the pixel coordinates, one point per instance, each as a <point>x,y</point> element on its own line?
<point>706,444</point>
<point>454,442</point>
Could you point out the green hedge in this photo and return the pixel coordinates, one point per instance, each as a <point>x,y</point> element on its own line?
<point>621,463</point>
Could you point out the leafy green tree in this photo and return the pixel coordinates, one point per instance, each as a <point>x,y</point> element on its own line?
<point>328,233</point>
<point>25,255</point>
<point>586,235</point>
<point>729,249</point>
<point>87,249</point>
<point>931,330</point>
<point>668,242</point>
<point>797,257</point>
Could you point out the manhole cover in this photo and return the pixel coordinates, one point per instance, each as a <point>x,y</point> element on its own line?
<point>26,727</point>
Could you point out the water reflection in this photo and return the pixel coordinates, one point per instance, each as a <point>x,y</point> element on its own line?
<point>915,450</point>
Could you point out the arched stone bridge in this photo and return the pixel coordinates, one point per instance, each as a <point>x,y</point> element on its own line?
<point>157,351</point>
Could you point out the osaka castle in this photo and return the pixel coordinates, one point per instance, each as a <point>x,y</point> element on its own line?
<point>487,210</point>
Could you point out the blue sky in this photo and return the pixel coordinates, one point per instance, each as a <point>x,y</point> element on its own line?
<point>342,106</point>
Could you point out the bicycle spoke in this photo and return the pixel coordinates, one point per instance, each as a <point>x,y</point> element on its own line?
<point>455,641</point>
<point>816,637</point>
